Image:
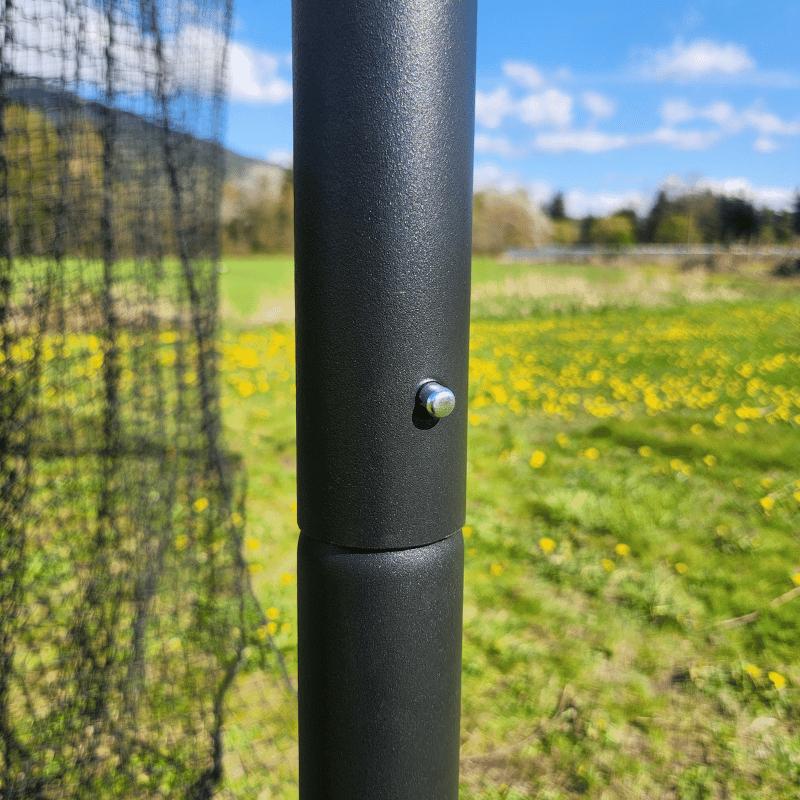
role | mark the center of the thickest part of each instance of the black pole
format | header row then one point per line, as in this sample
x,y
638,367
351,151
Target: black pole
x,y
384,113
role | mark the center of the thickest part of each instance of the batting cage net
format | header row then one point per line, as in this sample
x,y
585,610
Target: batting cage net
x,y
125,606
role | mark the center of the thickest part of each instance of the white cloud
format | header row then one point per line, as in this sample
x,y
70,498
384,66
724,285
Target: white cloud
x,y
253,77
190,55
765,145
281,157
490,109
495,145
490,176
680,140
580,141
524,74
698,59
552,107
778,197
766,122
673,112
729,121
580,203
598,105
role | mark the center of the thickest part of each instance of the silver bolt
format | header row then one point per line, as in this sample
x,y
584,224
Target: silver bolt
x,y
437,399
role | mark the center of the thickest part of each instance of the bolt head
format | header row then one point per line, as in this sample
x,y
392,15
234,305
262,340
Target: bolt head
x,y
438,400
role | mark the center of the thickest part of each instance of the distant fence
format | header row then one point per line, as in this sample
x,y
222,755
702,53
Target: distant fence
x,y
645,252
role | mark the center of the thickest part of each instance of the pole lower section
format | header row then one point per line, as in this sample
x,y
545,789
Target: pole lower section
x,y
380,670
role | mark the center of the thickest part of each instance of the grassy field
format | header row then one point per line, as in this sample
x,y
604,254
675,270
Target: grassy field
x,y
632,598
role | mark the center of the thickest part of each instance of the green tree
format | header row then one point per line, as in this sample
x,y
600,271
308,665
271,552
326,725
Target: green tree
x,y
659,210
676,229
612,231
555,208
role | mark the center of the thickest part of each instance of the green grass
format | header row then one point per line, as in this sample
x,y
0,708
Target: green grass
x,y
245,281
633,488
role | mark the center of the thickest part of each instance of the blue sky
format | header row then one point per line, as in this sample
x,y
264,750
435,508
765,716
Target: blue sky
x,y
605,101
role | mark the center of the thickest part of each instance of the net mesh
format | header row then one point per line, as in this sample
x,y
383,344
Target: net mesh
x,y
125,607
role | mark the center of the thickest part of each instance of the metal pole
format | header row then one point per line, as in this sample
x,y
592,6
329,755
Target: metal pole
x,y
383,126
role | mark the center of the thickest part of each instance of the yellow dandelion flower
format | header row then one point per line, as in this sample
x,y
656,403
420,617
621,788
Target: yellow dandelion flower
x,y
681,568
741,427
710,461
182,541
753,671
467,531
796,578
245,388
767,503
287,579
777,679
623,550
201,504
608,564
261,633
253,544
272,613
645,451
547,544
696,429
472,552
592,453
796,496
272,628
236,519
537,459
286,627
496,569
767,483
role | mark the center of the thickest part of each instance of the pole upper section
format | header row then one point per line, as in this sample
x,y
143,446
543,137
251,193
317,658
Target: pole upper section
x,y
384,94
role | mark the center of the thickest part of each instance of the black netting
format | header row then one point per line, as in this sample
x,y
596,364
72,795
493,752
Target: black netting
x,y
124,607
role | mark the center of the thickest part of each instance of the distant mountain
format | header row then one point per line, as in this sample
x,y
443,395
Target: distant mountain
x,y
136,135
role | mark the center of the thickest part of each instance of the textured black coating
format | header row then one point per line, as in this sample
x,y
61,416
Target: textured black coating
x,y
383,149
379,671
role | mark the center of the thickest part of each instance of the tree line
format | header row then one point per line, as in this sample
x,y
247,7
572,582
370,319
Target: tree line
x,y
501,222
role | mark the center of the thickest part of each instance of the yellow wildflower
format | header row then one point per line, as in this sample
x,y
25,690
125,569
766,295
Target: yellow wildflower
x,y
767,503
288,579
608,564
547,544
537,459
777,679
496,569
201,504
681,568
753,671
623,550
